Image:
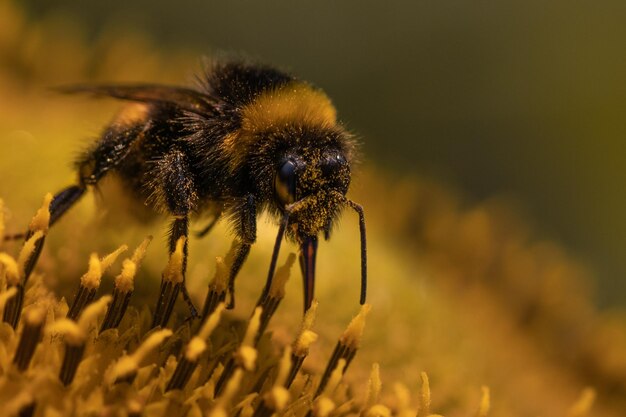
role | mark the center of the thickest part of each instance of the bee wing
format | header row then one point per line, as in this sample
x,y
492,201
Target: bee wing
x,y
184,98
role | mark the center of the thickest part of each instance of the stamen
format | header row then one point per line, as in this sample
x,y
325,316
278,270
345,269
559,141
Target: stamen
x,y
270,301
90,281
335,377
277,398
347,346
580,408
15,276
21,404
76,336
232,386
424,409
41,220
302,343
403,401
323,405
483,409
28,410
27,259
378,410
171,281
354,332
28,251
373,388
244,408
6,296
125,369
246,354
39,223
124,286
219,284
348,407
89,284
209,326
140,252
30,337
10,270
196,347
108,260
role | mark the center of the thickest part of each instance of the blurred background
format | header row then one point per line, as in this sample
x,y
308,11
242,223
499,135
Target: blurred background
x,y
519,98
492,172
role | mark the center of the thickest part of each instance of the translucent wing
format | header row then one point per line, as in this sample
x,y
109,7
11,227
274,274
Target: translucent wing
x,y
184,98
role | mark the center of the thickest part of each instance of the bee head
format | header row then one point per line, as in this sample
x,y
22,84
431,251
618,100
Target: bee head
x,y
311,181
310,184
310,176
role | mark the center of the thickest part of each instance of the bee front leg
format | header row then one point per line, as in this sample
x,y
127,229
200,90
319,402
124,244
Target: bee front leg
x,y
247,233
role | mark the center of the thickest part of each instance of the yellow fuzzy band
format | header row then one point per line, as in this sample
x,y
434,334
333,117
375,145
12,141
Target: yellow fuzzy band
x,y
294,102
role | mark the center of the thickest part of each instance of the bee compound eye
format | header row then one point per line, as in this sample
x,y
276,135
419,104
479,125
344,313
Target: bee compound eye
x,y
285,182
333,160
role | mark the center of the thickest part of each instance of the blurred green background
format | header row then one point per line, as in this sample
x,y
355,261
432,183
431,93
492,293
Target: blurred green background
x,y
518,98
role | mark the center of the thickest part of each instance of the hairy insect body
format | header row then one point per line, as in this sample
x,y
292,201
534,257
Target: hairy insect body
x,y
250,138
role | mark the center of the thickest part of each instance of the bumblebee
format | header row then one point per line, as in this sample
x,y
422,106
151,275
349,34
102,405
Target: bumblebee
x,y
248,138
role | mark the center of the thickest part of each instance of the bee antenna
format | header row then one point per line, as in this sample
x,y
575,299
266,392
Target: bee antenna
x,y
359,209
279,239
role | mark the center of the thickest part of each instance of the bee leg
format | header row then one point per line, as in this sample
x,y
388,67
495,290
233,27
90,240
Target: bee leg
x,y
112,147
247,233
94,164
64,200
170,289
173,186
180,228
61,202
240,257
